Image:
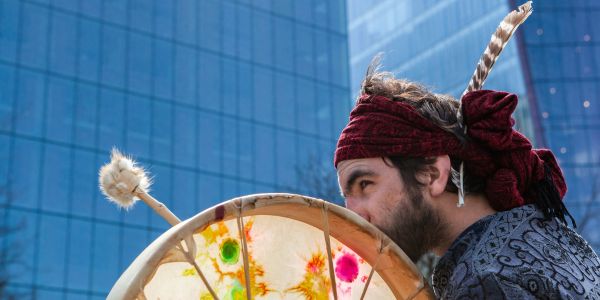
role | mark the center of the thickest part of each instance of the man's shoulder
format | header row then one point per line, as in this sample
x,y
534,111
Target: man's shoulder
x,y
522,252
538,255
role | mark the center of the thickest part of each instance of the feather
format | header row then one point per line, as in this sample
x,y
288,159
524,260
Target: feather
x,y
121,180
499,39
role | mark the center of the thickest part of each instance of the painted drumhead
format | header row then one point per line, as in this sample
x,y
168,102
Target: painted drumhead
x,y
277,246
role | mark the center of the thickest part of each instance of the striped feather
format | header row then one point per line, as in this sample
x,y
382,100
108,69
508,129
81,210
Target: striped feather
x,y
499,39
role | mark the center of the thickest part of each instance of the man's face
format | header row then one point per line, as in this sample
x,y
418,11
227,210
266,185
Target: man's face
x,y
375,191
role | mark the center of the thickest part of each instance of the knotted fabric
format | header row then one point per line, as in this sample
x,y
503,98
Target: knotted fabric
x,y
513,171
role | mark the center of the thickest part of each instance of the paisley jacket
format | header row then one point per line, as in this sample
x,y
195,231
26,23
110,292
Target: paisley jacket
x,y
518,254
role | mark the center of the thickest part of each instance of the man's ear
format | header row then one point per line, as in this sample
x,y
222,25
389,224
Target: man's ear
x,y
439,175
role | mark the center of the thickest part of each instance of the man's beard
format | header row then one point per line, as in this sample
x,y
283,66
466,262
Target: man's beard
x,y
415,226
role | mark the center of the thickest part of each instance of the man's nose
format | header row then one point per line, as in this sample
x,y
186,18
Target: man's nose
x,y
357,208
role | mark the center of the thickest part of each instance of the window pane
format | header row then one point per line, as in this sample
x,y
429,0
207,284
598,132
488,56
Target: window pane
x,y
246,154
24,241
264,154
245,90
86,115
304,51
186,21
209,143
284,47
185,75
285,101
49,294
30,103
184,194
306,106
263,95
229,87
34,36
228,25
286,160
70,5
244,32
115,11
105,270
262,40
91,8
25,171
7,90
140,12
111,119
139,63
209,75
162,131
163,69
4,156
134,242
55,189
209,191
85,185
113,56
185,137
63,44
230,144
322,52
51,250
209,33
230,189
9,22
324,111
138,126
80,241
89,49
163,14
60,110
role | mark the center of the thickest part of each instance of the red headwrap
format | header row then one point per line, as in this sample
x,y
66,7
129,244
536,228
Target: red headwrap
x,y
381,127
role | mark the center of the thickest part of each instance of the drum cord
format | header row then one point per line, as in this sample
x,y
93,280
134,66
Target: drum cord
x,y
240,224
364,292
328,246
192,261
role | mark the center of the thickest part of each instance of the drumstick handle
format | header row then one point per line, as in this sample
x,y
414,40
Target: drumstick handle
x,y
159,208
169,216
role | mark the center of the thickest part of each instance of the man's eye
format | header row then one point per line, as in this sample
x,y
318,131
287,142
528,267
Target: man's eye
x,y
364,183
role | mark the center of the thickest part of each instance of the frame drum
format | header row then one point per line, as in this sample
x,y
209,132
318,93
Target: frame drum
x,y
273,246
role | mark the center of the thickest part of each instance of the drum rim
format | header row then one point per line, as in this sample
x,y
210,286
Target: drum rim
x,y
133,280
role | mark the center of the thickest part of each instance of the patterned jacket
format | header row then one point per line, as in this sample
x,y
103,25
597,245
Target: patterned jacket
x,y
518,254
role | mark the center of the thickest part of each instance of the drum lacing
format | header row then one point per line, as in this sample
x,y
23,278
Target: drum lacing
x,y
240,224
328,246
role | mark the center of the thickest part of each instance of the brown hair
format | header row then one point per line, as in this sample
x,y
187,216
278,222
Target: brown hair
x,y
438,108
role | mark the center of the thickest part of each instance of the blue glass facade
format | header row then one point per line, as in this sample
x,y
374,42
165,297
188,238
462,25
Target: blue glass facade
x,y
553,66
436,43
217,98
562,50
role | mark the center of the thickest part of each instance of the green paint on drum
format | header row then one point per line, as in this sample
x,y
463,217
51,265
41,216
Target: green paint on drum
x,y
230,251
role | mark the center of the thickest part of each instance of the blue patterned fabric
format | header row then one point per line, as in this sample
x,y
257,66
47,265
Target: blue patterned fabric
x,y
518,254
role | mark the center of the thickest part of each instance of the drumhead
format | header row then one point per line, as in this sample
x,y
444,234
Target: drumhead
x,y
281,246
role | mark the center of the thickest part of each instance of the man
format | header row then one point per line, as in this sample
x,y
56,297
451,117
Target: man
x,y
398,162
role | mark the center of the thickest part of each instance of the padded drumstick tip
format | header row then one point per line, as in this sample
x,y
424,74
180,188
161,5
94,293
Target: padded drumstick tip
x,y
121,179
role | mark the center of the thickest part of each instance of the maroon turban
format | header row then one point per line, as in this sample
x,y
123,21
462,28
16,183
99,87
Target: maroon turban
x,y
515,174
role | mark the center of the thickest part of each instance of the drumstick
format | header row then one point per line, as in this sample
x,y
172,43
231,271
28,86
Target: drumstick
x,y
124,183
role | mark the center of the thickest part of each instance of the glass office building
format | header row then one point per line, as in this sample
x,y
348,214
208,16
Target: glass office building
x,y
561,44
216,98
436,43
553,66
